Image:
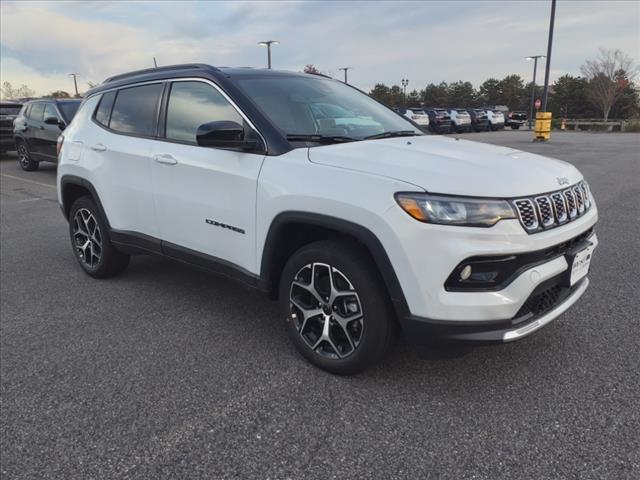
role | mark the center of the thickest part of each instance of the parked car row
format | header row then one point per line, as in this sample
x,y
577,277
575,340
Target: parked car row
x,y
460,120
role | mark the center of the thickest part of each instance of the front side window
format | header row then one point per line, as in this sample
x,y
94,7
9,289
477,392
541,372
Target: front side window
x,y
308,105
192,104
37,111
50,111
68,110
134,110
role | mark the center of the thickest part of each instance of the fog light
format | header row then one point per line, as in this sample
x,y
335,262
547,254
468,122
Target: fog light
x,y
465,273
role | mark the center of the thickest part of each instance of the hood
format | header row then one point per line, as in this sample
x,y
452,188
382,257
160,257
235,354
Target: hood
x,y
449,166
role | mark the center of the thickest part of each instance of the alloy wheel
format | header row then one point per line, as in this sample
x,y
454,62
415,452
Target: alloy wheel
x,y
326,310
23,155
87,238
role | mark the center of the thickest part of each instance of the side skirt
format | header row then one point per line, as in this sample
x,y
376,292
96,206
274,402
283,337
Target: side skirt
x,y
135,243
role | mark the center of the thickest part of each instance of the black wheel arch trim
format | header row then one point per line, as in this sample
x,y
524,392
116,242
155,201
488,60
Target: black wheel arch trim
x,y
81,182
359,232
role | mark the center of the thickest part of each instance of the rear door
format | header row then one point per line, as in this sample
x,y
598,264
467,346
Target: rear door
x,y
205,197
119,149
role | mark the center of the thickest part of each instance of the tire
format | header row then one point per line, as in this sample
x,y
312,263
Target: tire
x,y
25,160
361,325
91,242
515,127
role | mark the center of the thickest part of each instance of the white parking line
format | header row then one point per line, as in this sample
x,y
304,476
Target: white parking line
x,y
28,181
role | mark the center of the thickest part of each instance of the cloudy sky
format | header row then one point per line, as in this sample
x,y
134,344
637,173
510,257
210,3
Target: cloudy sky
x,y
430,41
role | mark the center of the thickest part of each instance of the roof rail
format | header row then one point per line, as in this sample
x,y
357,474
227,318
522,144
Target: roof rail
x,y
168,68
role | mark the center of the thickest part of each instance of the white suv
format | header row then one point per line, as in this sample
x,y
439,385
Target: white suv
x,y
460,120
418,116
358,227
496,119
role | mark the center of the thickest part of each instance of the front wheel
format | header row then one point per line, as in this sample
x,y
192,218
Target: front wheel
x,y
26,161
337,311
91,242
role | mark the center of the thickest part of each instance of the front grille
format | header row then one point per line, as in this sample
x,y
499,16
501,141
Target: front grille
x,y
545,211
548,211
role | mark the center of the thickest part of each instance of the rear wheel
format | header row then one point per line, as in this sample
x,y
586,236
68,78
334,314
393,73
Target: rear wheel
x,y
337,310
25,159
515,127
91,243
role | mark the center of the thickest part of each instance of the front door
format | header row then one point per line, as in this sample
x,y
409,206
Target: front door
x,y
204,197
49,133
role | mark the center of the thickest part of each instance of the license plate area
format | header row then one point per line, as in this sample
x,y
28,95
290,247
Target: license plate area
x,y
579,261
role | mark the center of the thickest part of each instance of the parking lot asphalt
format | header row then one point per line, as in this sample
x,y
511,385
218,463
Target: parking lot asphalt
x,y
169,372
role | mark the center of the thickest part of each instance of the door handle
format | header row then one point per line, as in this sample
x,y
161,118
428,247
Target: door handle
x,y
165,159
98,147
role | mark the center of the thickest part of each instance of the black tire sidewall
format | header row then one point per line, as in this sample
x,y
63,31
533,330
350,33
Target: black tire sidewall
x,y
378,329
31,164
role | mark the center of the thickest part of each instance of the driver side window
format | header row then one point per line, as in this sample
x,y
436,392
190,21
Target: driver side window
x,y
192,104
50,111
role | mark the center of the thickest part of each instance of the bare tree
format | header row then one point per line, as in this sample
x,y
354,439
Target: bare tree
x,y
608,76
8,91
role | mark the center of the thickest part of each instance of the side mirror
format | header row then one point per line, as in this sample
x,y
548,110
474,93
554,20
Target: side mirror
x,y
224,134
55,121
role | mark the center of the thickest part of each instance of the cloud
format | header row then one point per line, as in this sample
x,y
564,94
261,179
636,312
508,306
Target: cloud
x,y
382,41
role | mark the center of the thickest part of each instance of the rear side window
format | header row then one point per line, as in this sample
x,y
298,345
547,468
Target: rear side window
x,y
134,110
68,109
192,104
103,112
37,111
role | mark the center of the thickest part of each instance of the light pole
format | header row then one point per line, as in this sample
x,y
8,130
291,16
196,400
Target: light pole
x,y
75,82
533,85
405,83
268,43
345,72
545,93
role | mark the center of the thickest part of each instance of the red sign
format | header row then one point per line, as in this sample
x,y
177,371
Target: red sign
x,y
537,104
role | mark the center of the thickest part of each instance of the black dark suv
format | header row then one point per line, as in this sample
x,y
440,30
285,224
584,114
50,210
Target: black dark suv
x,y
8,112
439,120
479,119
37,128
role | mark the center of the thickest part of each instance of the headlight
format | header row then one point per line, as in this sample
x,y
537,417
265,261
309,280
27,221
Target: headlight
x,y
445,210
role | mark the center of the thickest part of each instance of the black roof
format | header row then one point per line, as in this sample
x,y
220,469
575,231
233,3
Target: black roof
x,y
188,70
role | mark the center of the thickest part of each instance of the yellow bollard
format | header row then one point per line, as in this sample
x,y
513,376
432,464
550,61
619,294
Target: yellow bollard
x,y
542,130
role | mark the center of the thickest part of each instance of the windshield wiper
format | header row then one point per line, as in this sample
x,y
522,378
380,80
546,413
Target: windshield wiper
x,y
397,133
320,138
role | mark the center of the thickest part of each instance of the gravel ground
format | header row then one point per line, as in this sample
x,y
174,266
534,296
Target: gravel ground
x,y
169,372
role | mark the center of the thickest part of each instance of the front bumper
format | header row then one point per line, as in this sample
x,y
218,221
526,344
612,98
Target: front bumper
x,y
426,254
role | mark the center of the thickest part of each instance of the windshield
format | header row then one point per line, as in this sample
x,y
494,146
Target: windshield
x,y
10,109
68,109
324,107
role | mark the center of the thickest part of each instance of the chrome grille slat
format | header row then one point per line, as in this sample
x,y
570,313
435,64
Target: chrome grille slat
x,y
545,211
542,212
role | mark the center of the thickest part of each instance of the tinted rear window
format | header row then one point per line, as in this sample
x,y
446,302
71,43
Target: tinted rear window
x,y
36,111
103,112
10,109
68,109
134,110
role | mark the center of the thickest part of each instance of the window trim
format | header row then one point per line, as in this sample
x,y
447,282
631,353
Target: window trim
x,y
162,102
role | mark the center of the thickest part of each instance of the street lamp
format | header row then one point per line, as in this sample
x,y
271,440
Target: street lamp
x,y
405,83
75,82
533,84
345,72
268,43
